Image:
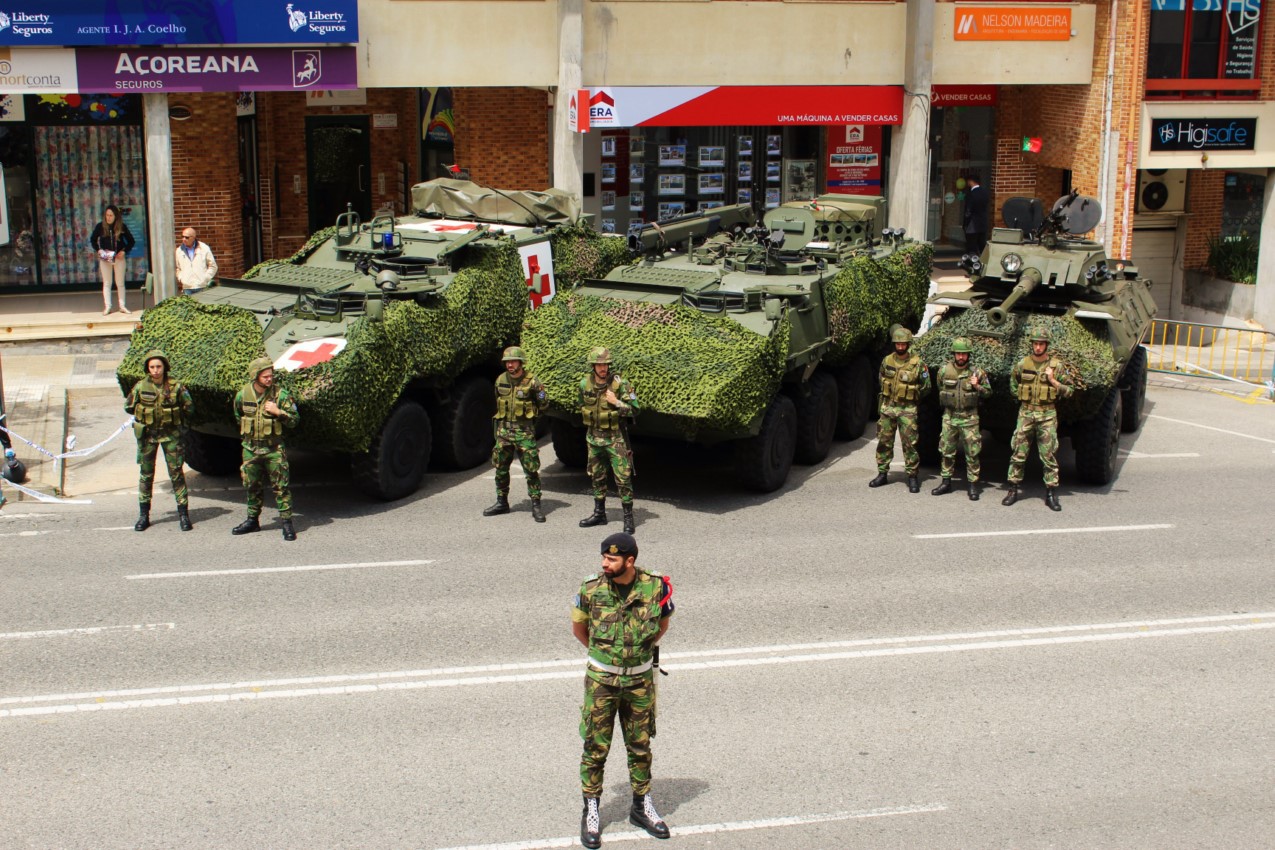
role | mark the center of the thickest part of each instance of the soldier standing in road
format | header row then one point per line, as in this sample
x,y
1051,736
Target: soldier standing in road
x,y
904,379
520,398
606,400
1034,380
620,616
160,407
263,409
961,385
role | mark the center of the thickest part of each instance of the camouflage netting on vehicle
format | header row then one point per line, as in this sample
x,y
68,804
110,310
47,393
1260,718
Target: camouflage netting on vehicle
x,y
1080,343
710,374
581,253
868,295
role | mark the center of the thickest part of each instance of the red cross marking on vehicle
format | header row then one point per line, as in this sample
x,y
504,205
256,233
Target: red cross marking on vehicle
x,y
440,228
321,354
533,269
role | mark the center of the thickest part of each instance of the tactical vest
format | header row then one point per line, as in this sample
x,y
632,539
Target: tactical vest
x,y
515,402
901,384
254,424
1033,386
159,407
955,392
622,633
596,410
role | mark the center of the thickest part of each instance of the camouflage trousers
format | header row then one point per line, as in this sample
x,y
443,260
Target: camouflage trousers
x,y
262,464
147,448
516,441
960,429
609,449
1043,424
901,418
633,698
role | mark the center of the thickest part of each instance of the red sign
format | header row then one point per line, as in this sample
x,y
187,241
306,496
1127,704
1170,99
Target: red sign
x,y
854,159
964,96
579,116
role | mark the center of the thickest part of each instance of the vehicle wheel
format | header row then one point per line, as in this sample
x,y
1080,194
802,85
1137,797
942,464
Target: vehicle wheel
x,y
762,462
929,427
1097,441
395,463
211,454
568,444
464,426
856,390
816,405
1135,392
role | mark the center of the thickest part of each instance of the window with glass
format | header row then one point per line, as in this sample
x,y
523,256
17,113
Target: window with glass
x,y
1204,49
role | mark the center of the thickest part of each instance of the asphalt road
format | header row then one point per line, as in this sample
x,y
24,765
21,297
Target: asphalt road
x,y
848,667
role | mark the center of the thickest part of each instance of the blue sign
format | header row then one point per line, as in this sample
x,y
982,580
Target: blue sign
x,y
100,23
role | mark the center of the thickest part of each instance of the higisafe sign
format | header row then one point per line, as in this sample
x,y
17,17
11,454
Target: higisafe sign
x,y
1203,134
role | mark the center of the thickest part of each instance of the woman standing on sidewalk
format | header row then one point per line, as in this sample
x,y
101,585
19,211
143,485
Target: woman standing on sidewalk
x,y
111,241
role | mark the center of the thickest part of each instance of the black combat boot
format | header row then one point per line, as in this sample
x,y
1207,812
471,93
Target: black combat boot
x,y
878,481
289,533
643,814
914,486
248,526
143,517
973,491
591,824
945,487
501,506
183,518
1011,497
629,525
599,515
536,513
1051,499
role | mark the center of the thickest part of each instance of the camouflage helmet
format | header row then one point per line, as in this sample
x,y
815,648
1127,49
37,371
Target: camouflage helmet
x,y
961,345
900,335
599,355
513,352
1039,335
156,354
258,366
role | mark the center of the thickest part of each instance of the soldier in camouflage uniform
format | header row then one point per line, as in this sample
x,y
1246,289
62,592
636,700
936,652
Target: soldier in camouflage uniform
x,y
1034,380
961,385
263,410
160,408
620,616
520,398
606,400
904,379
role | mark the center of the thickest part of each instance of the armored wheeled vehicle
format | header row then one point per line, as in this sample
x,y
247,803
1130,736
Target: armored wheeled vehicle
x,y
1041,274
387,332
759,333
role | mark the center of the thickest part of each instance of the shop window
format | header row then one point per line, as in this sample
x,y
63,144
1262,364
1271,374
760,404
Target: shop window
x,y
1199,50
1242,204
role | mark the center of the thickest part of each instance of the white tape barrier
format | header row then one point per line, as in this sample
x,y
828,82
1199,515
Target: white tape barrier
x,y
1269,386
70,442
45,497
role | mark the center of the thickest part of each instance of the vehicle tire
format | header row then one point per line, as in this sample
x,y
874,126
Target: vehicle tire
x,y
463,425
856,391
211,454
816,405
1135,391
929,427
1097,441
395,463
762,462
568,444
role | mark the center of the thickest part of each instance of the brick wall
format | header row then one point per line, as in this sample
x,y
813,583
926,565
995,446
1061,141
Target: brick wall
x,y
502,136
206,178
1204,193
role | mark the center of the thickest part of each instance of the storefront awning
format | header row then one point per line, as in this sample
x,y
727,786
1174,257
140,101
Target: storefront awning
x,y
733,106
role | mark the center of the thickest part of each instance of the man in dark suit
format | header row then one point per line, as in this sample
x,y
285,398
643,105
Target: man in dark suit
x,y
975,216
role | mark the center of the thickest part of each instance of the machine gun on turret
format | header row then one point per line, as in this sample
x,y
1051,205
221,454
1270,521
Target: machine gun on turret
x,y
655,238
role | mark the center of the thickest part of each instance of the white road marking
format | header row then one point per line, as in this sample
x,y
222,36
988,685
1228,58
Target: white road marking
x,y
184,695
24,533
1210,428
27,516
87,630
115,528
1093,529
1141,455
255,570
712,828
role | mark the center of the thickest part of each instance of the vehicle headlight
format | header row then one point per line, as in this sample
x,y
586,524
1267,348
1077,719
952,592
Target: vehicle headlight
x,y
1012,263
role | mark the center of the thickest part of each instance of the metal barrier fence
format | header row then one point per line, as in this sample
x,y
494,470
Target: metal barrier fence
x,y
1237,354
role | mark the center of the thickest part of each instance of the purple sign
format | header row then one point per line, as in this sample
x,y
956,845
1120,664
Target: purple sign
x,y
214,69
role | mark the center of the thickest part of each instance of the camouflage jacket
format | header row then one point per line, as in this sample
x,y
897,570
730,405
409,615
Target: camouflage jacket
x,y
519,402
600,414
159,410
255,425
622,631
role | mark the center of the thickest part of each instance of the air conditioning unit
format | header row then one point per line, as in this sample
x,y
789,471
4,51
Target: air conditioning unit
x,y
1161,190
